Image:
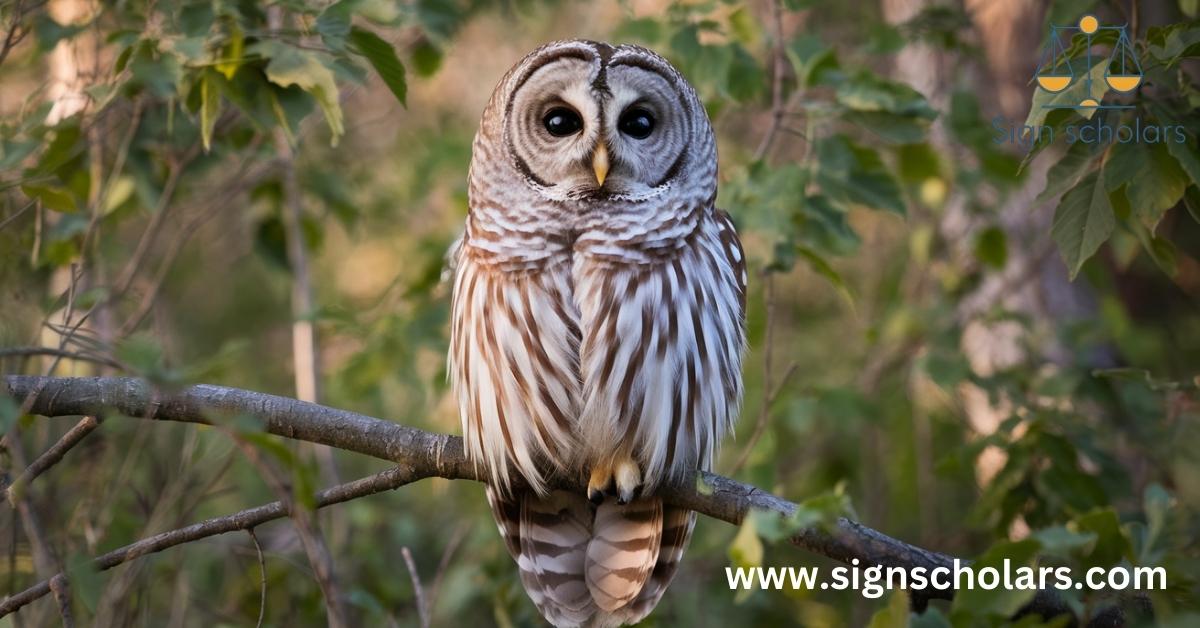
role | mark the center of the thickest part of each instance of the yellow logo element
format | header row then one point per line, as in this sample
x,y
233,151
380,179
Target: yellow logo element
x,y
1122,71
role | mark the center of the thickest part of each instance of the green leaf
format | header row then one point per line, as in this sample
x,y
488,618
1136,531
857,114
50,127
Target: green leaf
x,y
1188,156
931,618
746,550
1191,199
745,80
1044,102
1079,159
999,601
991,247
811,59
1157,503
1063,542
890,127
867,91
744,27
281,117
210,107
383,58
48,32
1083,221
160,71
196,18
334,24
1111,543
426,58
918,163
823,224
853,174
894,615
1161,250
120,190
1177,41
55,198
820,266
231,53
304,69
1154,181
1189,7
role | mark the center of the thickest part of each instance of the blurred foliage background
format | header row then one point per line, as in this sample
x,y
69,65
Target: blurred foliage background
x,y
978,346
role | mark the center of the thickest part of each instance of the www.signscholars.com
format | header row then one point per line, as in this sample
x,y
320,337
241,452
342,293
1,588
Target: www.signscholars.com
x,y
874,581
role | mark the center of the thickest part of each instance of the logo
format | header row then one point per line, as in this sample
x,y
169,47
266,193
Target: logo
x,y
1055,73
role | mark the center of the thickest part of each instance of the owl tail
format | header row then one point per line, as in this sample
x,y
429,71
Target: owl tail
x,y
592,566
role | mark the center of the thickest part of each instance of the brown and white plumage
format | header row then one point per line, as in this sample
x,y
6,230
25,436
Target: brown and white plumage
x,y
598,321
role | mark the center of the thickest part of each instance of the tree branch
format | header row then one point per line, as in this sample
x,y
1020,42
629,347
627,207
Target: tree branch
x,y
418,455
245,520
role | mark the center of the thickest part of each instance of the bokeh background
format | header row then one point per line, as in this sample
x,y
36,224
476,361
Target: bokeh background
x,y
261,196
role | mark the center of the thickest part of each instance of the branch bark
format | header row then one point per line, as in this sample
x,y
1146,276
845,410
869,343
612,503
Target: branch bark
x,y
418,455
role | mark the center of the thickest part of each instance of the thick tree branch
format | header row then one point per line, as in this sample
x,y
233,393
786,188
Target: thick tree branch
x,y
418,455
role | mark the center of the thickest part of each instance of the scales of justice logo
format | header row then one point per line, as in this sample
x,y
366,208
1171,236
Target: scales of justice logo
x,y
1055,73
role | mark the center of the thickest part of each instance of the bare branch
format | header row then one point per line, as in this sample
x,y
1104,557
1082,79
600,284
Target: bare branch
x,y
419,455
52,455
771,391
17,214
244,520
778,108
9,352
262,571
307,529
418,591
460,533
62,595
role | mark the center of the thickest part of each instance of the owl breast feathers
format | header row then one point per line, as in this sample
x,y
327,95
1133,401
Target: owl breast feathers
x,y
598,321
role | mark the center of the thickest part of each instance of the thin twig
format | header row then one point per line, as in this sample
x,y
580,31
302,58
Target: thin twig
x,y
17,31
245,519
17,214
460,533
242,179
418,591
162,208
777,106
262,571
9,352
62,595
771,391
308,530
52,456
45,562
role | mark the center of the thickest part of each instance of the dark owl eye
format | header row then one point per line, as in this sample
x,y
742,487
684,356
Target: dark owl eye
x,y
561,122
636,123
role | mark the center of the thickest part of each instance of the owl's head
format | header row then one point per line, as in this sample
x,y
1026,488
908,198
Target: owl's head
x,y
583,120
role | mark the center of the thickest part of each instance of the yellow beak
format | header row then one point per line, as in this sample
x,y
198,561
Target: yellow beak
x,y
600,163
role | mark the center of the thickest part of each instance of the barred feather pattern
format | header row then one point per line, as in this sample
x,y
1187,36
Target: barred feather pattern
x,y
590,328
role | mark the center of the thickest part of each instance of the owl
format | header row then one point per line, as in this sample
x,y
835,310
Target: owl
x,y
597,322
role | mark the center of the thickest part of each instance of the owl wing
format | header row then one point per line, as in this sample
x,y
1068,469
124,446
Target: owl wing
x,y
734,254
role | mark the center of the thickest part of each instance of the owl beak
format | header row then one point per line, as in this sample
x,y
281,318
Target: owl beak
x,y
600,163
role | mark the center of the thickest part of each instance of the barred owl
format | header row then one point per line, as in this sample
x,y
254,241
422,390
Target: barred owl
x,y
597,321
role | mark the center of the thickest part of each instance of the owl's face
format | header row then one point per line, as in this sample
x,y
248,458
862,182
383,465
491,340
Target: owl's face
x,y
586,121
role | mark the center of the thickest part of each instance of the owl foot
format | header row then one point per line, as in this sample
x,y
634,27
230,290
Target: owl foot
x,y
621,478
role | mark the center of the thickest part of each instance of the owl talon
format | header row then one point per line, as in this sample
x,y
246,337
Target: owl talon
x,y
600,484
628,480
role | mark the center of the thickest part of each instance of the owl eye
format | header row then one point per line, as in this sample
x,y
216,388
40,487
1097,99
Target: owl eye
x,y
636,123
561,122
